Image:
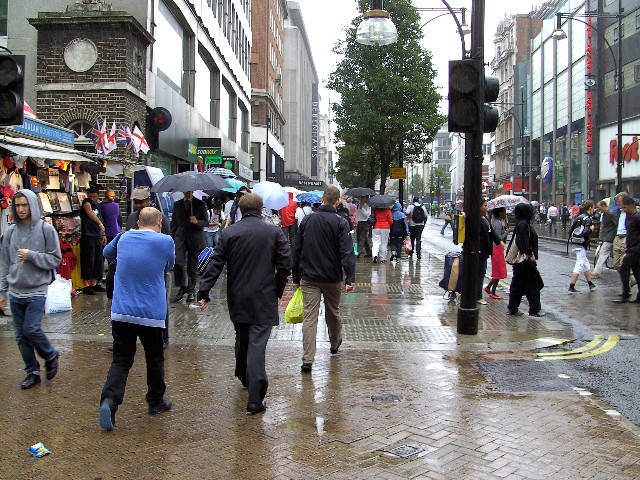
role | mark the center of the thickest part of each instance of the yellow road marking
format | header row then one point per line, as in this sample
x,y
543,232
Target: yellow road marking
x,y
611,342
592,344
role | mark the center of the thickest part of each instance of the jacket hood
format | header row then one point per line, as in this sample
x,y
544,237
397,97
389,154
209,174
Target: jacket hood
x,y
34,206
396,207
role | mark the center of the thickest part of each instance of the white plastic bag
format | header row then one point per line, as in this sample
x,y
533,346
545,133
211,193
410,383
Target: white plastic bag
x,y
58,296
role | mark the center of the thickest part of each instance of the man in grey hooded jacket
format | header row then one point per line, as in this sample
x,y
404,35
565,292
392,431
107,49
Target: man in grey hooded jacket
x,y
30,251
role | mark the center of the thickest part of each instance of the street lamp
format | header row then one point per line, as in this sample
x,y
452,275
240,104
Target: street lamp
x,y
462,28
377,28
560,34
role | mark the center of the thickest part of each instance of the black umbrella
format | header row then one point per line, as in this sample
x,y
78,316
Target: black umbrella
x,y
360,192
190,181
381,201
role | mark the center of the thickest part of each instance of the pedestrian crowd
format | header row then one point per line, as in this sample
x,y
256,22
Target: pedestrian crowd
x,y
315,244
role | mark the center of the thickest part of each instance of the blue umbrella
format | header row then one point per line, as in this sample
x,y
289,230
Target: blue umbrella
x,y
235,185
308,198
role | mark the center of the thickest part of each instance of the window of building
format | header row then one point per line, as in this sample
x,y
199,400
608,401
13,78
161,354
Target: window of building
x,y
3,17
615,33
202,97
636,73
228,110
168,47
638,21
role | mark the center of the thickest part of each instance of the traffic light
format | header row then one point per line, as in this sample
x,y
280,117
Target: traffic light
x,y
469,90
11,89
158,120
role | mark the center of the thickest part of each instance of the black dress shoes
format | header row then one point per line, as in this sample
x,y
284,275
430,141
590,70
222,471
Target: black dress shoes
x,y
256,407
180,295
191,297
31,381
51,366
158,408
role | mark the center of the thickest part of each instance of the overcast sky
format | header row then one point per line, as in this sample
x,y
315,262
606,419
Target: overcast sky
x,y
325,19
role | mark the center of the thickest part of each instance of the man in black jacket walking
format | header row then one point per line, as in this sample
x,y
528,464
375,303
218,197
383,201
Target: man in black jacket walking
x,y
258,260
323,260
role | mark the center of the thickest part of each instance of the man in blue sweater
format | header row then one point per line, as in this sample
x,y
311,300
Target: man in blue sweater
x,y
30,251
138,310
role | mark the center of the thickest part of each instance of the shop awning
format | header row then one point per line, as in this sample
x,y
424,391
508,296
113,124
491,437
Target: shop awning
x,y
42,150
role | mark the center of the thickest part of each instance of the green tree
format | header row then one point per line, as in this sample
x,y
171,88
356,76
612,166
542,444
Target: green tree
x,y
439,180
388,110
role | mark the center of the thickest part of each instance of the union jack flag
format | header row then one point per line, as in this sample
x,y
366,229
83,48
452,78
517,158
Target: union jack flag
x,y
123,136
96,136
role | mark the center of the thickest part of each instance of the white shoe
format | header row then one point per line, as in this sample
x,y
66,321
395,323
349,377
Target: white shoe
x,y
482,302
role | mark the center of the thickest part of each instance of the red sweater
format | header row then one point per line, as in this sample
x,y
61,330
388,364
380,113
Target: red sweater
x,y
384,218
288,213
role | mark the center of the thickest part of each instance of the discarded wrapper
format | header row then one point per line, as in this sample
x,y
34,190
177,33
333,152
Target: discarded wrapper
x,y
39,450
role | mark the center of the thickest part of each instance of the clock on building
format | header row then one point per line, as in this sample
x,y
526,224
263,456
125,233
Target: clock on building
x,y
80,54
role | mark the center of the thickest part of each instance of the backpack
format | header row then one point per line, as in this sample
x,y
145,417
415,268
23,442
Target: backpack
x,y
418,215
579,231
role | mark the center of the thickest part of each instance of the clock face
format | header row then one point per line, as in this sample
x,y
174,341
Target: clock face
x,y
80,54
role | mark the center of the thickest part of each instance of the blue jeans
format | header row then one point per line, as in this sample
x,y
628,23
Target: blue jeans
x,y
27,326
211,238
446,222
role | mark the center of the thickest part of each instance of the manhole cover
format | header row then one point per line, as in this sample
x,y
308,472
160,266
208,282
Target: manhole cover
x,y
405,451
388,398
516,377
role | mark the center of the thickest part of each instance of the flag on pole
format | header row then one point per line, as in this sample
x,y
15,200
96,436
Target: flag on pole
x,y
139,142
123,136
28,112
96,136
110,142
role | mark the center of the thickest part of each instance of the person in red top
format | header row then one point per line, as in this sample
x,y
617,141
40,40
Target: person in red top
x,y
380,233
288,220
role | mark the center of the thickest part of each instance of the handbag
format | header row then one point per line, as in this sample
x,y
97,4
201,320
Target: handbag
x,y
294,313
514,255
447,218
371,220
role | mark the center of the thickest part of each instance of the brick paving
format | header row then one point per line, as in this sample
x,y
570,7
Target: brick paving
x,y
340,422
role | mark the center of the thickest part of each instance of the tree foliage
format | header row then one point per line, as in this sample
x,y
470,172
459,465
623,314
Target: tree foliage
x,y
388,110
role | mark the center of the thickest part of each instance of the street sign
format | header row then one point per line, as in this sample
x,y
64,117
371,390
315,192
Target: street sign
x,y
397,173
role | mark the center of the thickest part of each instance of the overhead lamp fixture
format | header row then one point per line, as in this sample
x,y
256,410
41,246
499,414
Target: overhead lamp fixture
x,y
559,33
376,28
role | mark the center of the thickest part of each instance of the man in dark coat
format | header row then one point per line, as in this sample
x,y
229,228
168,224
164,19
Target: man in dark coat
x,y
258,260
187,223
324,264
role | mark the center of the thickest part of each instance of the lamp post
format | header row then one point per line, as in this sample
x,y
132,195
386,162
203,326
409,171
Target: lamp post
x,y
560,34
468,309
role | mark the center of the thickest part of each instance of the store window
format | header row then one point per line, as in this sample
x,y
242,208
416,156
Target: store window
x,y
3,17
168,47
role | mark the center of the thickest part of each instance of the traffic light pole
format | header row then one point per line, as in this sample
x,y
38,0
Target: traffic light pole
x,y
468,309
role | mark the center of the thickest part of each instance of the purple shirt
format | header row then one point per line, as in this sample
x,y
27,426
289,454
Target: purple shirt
x,y
110,212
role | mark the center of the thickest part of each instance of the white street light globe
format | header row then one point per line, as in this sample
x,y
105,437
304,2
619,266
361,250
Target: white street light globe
x,y
376,29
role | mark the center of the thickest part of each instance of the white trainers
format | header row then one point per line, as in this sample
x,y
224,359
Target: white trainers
x,y
482,302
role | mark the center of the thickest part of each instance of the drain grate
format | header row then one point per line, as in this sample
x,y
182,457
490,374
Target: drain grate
x,y
406,451
386,398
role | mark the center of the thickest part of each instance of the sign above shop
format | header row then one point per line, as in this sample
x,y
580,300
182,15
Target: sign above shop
x,y
209,151
45,131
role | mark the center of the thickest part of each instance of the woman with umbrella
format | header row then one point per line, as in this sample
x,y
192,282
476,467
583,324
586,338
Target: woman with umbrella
x,y
382,226
498,263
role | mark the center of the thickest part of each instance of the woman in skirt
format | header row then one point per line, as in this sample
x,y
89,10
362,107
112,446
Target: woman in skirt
x,y
498,264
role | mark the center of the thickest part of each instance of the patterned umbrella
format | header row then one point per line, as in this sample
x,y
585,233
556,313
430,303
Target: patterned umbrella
x,y
507,201
221,172
309,198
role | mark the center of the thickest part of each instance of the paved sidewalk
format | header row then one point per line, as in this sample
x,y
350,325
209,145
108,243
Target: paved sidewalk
x,y
474,407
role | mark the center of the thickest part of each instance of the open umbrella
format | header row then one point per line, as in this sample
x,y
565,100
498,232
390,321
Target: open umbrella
x,y
293,190
234,185
221,172
273,195
360,192
308,198
189,181
381,201
507,201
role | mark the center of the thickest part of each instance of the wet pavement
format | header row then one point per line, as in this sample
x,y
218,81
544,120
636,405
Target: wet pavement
x,y
458,407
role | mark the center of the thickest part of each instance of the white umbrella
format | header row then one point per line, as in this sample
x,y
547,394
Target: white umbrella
x,y
507,201
293,190
273,195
